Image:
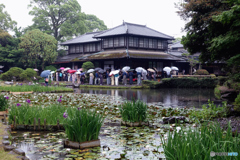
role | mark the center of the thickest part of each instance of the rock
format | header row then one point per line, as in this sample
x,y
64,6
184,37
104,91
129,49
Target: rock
x,y
19,151
5,137
76,85
8,148
6,142
229,95
172,120
9,83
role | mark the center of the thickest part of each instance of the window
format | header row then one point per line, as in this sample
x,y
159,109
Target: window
x,y
116,42
159,66
150,64
98,47
150,43
135,42
154,43
131,41
160,44
145,42
77,48
81,48
105,43
86,48
121,41
72,49
110,42
140,42
165,45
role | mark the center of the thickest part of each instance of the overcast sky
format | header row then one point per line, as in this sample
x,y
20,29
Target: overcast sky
x,y
157,14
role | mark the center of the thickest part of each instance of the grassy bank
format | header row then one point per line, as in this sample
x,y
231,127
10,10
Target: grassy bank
x,y
111,87
34,88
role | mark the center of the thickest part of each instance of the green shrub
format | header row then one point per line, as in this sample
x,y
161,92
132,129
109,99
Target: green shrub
x,y
237,103
202,72
135,111
217,92
28,74
12,72
52,68
3,102
195,144
82,125
222,80
87,65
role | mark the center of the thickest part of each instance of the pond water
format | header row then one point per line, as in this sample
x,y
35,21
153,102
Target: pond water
x,y
169,97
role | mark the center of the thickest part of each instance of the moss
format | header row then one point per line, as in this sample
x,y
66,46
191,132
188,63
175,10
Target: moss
x,y
217,92
151,84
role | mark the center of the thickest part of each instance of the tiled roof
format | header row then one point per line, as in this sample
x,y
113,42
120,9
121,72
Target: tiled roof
x,y
133,29
177,45
69,58
87,37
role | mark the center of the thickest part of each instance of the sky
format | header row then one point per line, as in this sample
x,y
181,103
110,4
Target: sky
x,y
156,14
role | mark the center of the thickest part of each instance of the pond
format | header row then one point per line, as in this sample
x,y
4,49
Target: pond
x,y
169,97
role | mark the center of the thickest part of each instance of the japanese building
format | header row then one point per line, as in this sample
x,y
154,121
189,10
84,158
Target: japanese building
x,y
125,45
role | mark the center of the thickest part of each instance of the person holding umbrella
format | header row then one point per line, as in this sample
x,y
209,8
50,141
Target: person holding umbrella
x,y
101,78
116,78
108,78
91,77
97,79
130,77
139,78
124,77
112,79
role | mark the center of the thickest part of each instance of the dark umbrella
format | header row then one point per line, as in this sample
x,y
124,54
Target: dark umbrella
x,y
45,73
82,73
101,71
97,69
1,71
59,70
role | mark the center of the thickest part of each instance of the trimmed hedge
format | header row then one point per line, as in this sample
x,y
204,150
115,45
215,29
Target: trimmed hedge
x,y
12,72
202,72
189,82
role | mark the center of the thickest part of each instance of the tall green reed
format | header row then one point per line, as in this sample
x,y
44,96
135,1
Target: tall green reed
x,y
82,125
134,111
3,102
197,144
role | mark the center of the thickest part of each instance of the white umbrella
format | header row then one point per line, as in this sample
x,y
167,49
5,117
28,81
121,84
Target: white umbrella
x,y
66,69
90,70
53,72
126,68
174,68
35,69
111,73
78,72
116,72
144,71
167,69
139,69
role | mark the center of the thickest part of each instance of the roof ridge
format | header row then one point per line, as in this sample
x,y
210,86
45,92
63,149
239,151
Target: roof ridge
x,y
73,38
94,32
159,32
134,24
108,30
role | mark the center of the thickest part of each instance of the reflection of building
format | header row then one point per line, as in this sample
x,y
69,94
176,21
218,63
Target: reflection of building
x,y
177,50
125,45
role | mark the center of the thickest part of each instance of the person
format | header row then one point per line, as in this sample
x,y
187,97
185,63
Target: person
x,y
124,78
183,71
138,78
101,79
91,77
73,78
108,78
116,79
97,79
66,76
78,78
60,76
130,77
194,71
112,80
57,76
46,81
154,76
144,74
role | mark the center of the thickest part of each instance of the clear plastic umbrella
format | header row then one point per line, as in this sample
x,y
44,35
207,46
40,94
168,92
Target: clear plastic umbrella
x,y
150,70
66,69
126,68
167,69
139,69
90,70
174,68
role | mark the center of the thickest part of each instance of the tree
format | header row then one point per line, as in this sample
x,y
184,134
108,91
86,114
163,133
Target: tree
x,y
191,60
201,28
39,48
87,65
94,24
6,23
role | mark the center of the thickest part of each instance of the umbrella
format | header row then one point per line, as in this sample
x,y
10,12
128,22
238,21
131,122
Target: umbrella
x,y
1,66
78,72
45,73
115,72
35,69
72,71
139,69
1,71
111,73
150,70
58,70
155,69
82,73
101,71
130,70
62,68
126,68
96,69
53,72
174,68
66,69
90,70
167,69
80,69
144,71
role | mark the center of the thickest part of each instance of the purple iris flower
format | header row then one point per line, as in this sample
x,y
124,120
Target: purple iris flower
x,y
28,101
60,96
65,115
79,108
6,97
59,100
21,84
18,104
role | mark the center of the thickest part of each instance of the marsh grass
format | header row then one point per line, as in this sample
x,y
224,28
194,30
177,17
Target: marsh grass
x,y
83,125
25,114
197,144
34,88
3,103
134,111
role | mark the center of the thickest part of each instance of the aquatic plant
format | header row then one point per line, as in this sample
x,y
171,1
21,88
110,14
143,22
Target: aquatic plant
x,y
34,88
198,144
3,102
82,125
134,111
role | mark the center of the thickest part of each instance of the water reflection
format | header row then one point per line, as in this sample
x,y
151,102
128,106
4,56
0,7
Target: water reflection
x,y
173,97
